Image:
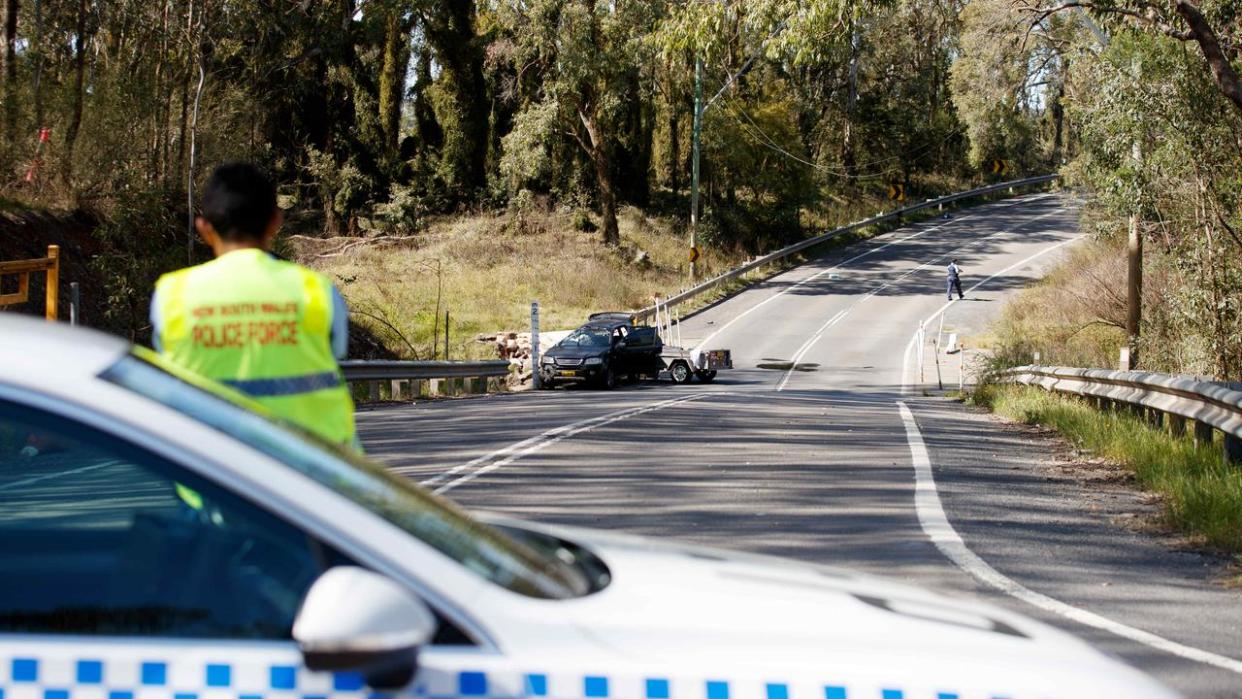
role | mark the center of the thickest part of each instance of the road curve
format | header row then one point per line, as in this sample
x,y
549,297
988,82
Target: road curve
x,y
802,451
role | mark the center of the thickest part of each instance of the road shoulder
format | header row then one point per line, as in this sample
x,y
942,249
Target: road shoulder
x,y
1068,531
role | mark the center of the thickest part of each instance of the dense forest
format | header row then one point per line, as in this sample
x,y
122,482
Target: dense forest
x,y
377,116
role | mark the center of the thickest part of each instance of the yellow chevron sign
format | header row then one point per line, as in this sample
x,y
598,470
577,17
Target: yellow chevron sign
x,y
1000,167
897,192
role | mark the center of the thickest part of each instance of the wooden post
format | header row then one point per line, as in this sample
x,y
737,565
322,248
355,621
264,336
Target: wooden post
x,y
53,281
373,387
1177,425
1203,433
1233,450
1155,417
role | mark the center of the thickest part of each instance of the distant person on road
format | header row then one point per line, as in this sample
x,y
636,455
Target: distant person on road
x,y
955,280
269,328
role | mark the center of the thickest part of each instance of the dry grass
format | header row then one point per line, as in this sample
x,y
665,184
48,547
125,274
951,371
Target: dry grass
x,y
1200,494
1072,317
492,266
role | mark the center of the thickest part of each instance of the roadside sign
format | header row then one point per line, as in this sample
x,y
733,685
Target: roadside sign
x,y
694,254
1000,167
897,191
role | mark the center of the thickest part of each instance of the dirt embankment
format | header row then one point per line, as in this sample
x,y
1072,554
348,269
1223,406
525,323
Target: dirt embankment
x,y
26,234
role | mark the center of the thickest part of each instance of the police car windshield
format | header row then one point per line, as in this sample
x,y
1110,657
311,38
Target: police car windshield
x,y
481,548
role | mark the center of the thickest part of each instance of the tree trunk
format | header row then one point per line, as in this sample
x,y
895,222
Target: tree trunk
x,y
450,31
847,147
430,135
37,50
597,148
9,134
392,82
674,151
79,78
1222,70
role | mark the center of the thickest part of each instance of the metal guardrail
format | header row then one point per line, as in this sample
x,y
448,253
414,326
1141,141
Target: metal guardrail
x,y
455,377
1166,399
812,242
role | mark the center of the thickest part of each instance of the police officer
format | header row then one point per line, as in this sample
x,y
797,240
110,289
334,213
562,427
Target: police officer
x,y
955,281
271,329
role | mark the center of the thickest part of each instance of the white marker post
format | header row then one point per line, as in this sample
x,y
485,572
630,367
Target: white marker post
x,y
534,344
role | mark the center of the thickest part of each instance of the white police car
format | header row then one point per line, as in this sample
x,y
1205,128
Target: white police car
x,y
159,542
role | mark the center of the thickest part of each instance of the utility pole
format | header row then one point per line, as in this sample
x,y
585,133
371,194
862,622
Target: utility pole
x,y
1134,274
700,108
1134,248
694,161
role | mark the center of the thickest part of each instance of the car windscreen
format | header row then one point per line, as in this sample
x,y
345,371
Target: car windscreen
x,y
479,547
588,337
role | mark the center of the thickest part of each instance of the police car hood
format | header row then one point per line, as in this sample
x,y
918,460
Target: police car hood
x,y
744,614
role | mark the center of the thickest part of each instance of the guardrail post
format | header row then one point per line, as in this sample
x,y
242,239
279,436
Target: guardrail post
x,y
433,387
1177,425
416,389
1233,449
373,390
1155,417
75,303
1203,433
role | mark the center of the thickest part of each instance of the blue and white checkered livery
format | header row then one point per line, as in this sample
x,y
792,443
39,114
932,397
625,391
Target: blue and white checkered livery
x,y
128,494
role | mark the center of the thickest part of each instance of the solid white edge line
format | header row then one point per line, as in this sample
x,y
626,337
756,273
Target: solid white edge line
x,y
906,385
488,463
937,527
967,216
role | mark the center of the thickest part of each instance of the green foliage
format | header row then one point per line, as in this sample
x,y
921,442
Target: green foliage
x,y
143,239
1155,135
1201,495
992,82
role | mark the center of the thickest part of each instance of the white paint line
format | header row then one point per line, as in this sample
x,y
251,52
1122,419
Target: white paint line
x,y
58,474
906,384
503,457
937,527
872,251
819,334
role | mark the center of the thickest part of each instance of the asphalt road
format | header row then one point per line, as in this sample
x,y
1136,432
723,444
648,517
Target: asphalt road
x,y
802,451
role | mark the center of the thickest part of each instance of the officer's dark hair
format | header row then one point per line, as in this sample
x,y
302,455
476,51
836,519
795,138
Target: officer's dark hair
x,y
239,201
955,260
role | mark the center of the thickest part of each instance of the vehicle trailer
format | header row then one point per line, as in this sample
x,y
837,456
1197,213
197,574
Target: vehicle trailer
x,y
682,364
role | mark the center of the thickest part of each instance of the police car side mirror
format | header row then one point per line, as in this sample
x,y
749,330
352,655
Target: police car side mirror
x,y
355,620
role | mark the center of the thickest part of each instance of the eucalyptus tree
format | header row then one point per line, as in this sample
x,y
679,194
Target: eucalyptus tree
x,y
585,59
1215,26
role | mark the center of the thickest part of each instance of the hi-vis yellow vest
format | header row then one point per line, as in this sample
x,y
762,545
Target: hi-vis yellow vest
x,y
261,326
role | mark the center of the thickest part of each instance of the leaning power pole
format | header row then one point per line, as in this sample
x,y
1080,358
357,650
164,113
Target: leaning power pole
x,y
700,108
694,163
1134,247
1134,274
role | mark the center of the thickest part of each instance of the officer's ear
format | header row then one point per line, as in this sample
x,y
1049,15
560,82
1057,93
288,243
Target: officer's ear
x,y
273,227
208,233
